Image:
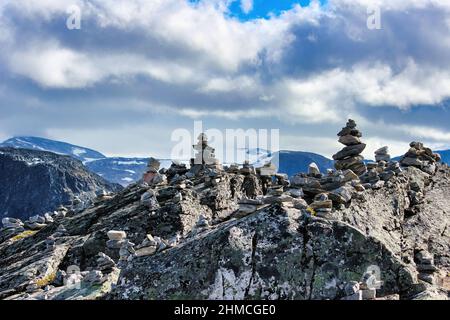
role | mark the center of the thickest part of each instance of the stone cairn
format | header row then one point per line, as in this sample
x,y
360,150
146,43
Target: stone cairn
x,y
381,171
425,266
205,155
420,157
382,155
350,156
250,186
153,175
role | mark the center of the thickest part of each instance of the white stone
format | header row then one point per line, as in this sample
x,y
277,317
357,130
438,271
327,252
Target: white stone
x,y
116,235
147,251
296,193
313,169
11,223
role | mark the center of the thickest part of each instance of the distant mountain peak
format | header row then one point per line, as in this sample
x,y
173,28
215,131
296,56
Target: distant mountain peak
x,y
59,147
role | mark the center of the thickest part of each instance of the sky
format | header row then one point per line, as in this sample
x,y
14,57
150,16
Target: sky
x,y
137,70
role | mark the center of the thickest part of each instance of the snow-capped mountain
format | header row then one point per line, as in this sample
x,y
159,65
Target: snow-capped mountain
x,y
41,144
122,170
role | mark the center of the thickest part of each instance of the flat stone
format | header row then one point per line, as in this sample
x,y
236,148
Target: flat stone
x,y
349,175
408,161
324,214
350,151
34,225
385,158
305,182
146,251
344,194
349,131
114,244
296,193
247,208
328,204
382,150
255,202
349,140
348,163
11,223
116,235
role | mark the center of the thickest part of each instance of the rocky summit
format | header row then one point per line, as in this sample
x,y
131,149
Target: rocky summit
x,y
208,231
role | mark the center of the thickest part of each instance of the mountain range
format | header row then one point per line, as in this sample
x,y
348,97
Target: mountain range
x,y
125,170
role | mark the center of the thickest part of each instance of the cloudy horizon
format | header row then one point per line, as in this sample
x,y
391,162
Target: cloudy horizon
x,y
137,70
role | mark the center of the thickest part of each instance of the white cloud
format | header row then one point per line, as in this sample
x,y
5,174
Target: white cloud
x,y
246,6
311,64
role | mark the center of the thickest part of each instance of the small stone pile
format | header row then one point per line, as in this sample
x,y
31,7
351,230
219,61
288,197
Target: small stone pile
x,y
205,156
425,266
152,175
175,171
366,289
322,206
149,200
382,155
95,277
127,251
381,171
36,222
350,156
250,186
148,247
266,174
420,157
116,239
315,183
105,263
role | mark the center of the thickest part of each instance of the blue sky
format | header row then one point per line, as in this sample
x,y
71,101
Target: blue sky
x,y
139,69
262,9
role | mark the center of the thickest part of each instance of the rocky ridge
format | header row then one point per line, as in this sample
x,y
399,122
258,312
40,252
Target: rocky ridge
x,y
207,232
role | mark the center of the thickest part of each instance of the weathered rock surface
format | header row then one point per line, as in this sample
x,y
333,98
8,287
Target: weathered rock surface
x,y
274,254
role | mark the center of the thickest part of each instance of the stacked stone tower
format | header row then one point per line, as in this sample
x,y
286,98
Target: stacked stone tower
x,y
350,156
